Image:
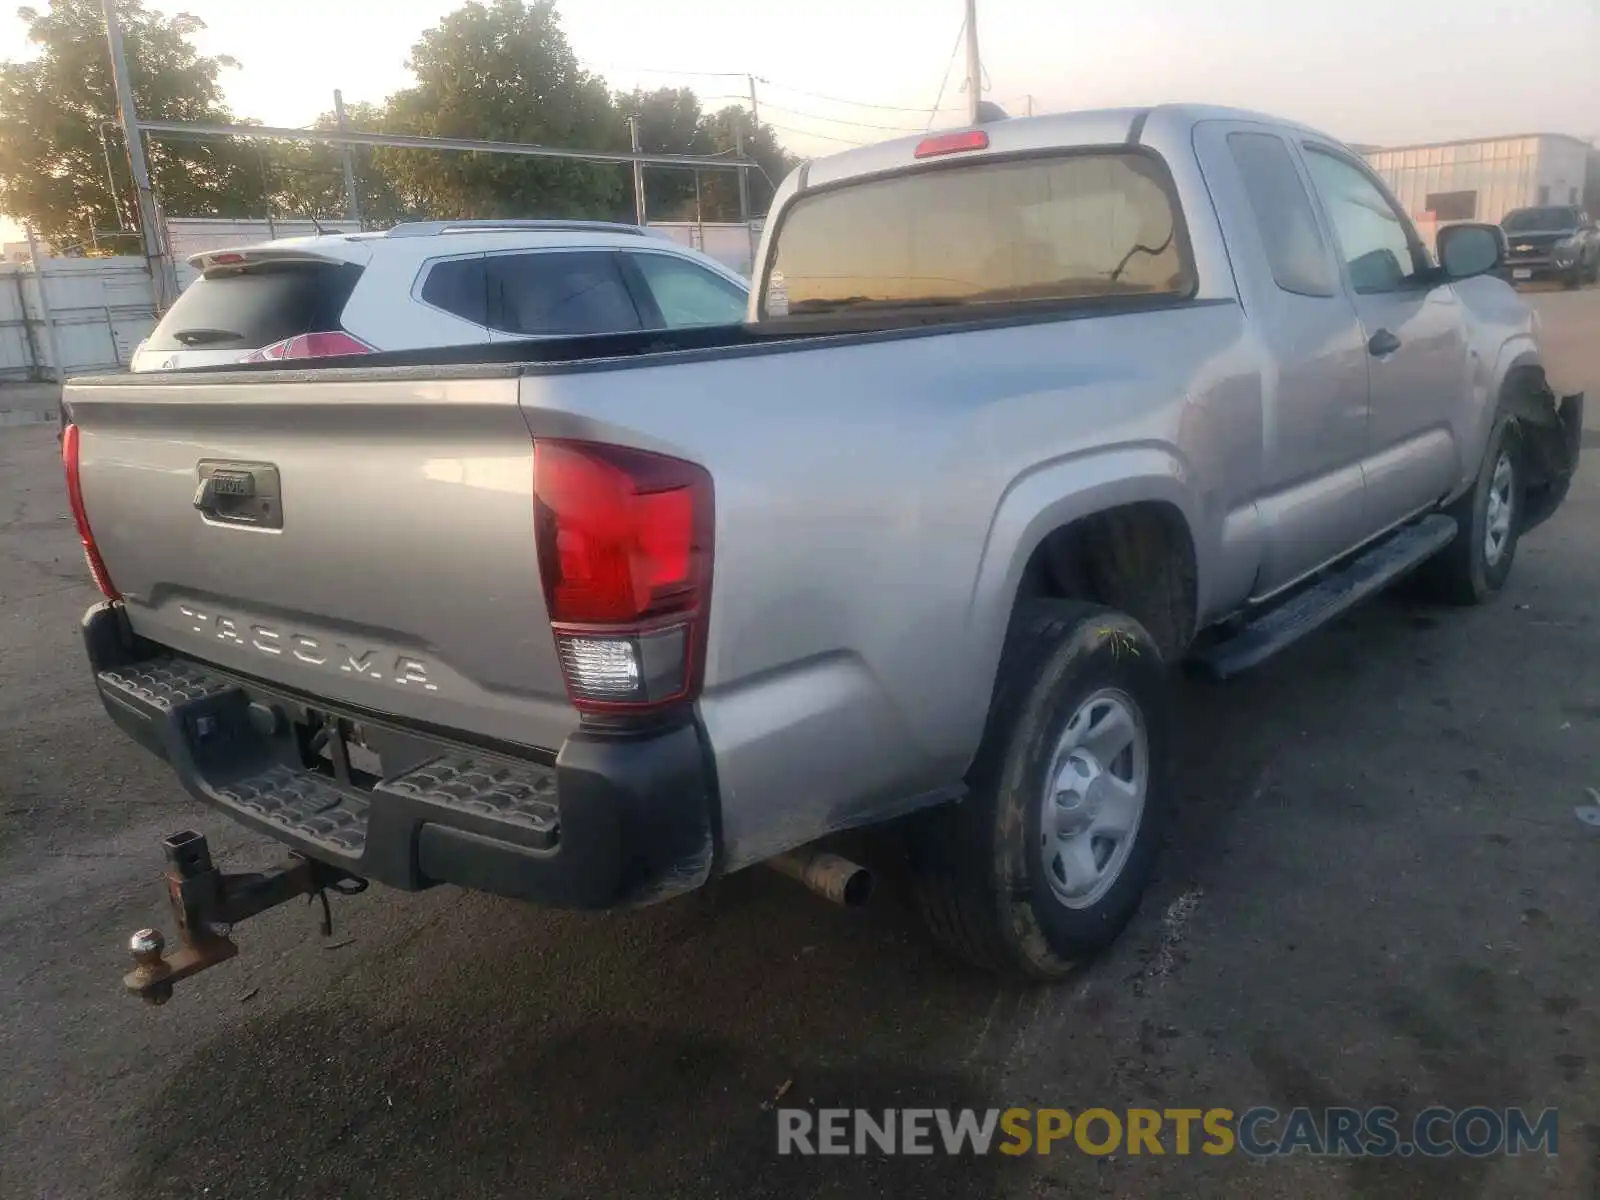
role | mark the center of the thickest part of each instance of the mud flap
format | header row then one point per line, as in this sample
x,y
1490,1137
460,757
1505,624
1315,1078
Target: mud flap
x,y
1552,438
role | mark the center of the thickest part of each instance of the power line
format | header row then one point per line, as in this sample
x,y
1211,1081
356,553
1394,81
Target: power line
x,y
842,100
783,87
827,137
663,71
796,112
945,82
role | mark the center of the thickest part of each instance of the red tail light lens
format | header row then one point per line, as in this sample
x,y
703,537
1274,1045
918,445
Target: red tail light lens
x,y
310,345
91,553
624,539
952,143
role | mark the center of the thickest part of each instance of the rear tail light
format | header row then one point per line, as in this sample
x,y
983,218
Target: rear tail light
x,y
310,345
91,553
952,143
624,539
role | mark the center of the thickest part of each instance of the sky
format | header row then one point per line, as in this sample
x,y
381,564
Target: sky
x,y
834,73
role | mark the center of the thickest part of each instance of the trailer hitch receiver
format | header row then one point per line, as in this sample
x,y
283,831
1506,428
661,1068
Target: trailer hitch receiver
x,y
207,903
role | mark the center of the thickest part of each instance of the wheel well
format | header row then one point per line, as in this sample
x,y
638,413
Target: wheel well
x,y
1136,558
1527,379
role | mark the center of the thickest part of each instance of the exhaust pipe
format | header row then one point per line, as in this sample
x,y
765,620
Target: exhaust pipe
x,y
828,875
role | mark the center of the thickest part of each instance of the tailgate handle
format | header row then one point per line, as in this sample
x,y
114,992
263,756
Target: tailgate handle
x,y
239,494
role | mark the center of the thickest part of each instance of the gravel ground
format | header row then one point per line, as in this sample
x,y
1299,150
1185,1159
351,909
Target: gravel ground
x,y
1377,893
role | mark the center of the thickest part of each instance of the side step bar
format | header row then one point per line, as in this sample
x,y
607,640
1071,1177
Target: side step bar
x,y
1331,595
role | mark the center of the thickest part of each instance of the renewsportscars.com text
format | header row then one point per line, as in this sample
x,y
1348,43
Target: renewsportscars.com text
x,y
1258,1132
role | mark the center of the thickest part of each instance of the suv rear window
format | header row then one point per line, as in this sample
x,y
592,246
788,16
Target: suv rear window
x,y
1066,227
257,306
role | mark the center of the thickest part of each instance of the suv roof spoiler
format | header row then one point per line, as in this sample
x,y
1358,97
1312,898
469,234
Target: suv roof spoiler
x,y
430,228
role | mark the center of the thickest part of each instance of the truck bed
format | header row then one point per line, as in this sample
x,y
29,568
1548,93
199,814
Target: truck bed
x,y
862,488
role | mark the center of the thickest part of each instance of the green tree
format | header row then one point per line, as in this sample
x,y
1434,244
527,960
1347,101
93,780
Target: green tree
x,y
307,178
670,122
54,106
722,130
504,71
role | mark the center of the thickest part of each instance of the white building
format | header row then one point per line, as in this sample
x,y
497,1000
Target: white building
x,y
1482,180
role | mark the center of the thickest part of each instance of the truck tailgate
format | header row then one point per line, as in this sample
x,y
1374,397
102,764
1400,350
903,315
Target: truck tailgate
x,y
368,541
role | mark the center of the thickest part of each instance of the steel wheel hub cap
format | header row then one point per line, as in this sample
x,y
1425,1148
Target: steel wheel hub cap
x,y
1094,798
1497,520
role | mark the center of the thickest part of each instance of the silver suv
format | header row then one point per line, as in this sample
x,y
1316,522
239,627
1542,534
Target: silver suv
x,y
436,283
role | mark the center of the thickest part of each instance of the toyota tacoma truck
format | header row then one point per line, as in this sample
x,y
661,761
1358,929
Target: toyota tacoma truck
x,y
1021,417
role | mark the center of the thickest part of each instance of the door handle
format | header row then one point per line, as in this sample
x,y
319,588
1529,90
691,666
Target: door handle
x,y
1381,343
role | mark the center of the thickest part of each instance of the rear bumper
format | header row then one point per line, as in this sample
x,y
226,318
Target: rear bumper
x,y
611,820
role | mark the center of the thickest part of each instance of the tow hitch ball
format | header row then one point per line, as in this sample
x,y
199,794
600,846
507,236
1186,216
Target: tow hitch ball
x,y
207,903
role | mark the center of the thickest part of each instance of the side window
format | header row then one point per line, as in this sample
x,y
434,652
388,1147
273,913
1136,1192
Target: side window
x,y
1289,233
688,294
1372,236
560,292
460,286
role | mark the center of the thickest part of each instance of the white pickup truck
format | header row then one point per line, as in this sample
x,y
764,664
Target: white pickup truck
x,y
1022,416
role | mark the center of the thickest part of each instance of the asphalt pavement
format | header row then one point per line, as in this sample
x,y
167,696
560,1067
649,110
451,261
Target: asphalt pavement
x,y
1377,892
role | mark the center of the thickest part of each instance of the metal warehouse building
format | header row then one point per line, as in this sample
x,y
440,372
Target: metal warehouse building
x,y
1483,180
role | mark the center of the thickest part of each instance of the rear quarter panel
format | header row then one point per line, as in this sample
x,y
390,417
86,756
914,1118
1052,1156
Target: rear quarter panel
x,y
875,503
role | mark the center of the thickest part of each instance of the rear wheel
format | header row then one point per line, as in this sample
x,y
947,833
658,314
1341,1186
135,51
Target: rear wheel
x,y
1045,861
1477,563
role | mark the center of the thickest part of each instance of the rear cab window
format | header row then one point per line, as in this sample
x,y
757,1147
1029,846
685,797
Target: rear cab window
x,y
257,305
1078,226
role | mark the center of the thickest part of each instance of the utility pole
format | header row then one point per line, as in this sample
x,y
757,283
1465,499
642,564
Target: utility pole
x,y
638,173
155,250
111,180
974,66
1030,104
36,265
744,193
744,172
699,217
352,198
744,177
266,191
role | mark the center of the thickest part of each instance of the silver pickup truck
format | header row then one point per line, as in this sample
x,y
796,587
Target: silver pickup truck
x,y
1022,416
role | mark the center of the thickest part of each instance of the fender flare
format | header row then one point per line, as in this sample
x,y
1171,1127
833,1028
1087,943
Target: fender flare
x,y
1055,494
1517,353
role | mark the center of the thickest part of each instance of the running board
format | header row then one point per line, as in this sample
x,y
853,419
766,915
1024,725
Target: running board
x,y
1331,595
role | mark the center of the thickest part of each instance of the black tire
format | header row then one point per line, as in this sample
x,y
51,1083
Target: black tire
x,y
1573,279
1461,573
979,866
1594,270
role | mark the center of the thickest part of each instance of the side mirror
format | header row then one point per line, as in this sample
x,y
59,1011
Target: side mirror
x,y
1471,249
